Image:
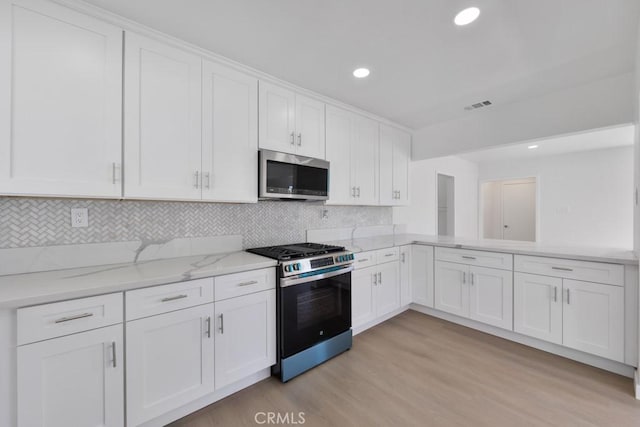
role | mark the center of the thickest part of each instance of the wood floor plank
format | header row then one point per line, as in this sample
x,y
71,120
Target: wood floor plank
x,y
416,370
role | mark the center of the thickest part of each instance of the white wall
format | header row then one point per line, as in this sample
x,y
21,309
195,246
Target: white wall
x,y
420,217
599,104
586,198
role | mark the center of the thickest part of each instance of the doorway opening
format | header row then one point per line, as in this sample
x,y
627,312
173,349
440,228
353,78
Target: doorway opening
x,y
446,205
509,210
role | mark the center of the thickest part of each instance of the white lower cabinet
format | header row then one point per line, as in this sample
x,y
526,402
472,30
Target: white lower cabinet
x,y
362,296
245,336
422,275
170,361
387,288
581,315
479,293
75,380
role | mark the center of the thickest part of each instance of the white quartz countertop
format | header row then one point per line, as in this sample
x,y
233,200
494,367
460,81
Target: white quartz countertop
x,y
612,255
21,290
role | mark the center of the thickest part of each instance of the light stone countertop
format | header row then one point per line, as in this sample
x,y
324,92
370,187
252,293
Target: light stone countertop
x,y
21,290
611,255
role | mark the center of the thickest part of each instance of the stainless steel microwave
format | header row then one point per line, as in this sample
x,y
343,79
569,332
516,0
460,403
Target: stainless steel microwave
x,y
288,176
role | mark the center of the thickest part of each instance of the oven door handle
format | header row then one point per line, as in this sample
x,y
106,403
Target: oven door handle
x,y
296,281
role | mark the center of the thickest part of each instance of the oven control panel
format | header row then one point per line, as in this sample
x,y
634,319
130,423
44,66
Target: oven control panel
x,y
306,265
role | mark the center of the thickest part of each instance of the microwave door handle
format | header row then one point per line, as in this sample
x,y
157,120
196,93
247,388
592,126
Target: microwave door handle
x,y
296,281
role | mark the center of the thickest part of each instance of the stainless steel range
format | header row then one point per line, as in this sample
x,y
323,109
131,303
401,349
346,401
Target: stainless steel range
x,y
313,304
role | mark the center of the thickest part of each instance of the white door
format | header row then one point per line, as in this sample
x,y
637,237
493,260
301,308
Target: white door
x,y
170,361
537,306
401,157
310,127
386,186
364,161
162,110
245,336
60,102
229,135
519,211
362,296
339,137
405,275
75,380
491,296
451,289
594,318
277,118
422,275
388,288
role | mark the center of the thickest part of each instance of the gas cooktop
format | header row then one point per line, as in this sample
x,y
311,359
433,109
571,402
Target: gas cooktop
x,y
296,251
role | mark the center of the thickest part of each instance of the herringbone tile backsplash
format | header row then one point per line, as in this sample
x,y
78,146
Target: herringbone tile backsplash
x,y
28,222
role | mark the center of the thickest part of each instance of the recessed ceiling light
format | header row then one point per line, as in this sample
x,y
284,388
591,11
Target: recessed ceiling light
x,y
532,147
361,72
467,16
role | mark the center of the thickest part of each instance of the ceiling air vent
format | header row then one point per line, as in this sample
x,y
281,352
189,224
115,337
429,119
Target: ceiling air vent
x,y
477,105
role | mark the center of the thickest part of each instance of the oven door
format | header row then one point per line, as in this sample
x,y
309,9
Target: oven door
x,y
314,309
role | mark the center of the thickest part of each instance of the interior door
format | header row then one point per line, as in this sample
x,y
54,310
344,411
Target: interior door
x,y
537,306
519,211
339,136
364,161
277,118
310,127
163,113
60,102
451,292
229,135
491,296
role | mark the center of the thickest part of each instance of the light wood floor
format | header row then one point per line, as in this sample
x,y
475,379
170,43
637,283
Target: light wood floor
x,y
417,370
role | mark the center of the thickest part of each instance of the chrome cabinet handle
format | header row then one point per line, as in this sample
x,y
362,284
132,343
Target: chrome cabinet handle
x,y
464,277
399,194
196,181
113,353
562,268
222,323
388,255
468,257
114,172
363,260
252,282
568,297
299,139
380,277
173,298
208,320
293,137
358,191
404,256
207,177
353,191
472,279
67,319
375,279
555,294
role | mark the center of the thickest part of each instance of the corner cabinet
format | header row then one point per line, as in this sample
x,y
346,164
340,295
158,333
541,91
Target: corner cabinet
x,y
60,102
290,122
395,152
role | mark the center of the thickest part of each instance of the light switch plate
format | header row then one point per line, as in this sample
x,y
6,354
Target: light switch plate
x,y
79,217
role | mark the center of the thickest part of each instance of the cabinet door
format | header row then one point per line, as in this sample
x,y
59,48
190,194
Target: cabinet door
x,y
60,102
169,361
537,306
75,380
229,135
388,288
310,127
163,113
451,292
491,296
405,275
594,318
387,190
364,161
401,157
339,140
422,275
362,296
245,336
277,118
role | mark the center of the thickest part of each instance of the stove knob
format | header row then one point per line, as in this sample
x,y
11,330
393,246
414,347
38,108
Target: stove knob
x,y
296,266
287,268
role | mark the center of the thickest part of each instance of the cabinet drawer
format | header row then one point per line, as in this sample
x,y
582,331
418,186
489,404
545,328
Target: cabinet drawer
x,y
46,321
247,282
162,299
388,255
611,274
365,259
479,258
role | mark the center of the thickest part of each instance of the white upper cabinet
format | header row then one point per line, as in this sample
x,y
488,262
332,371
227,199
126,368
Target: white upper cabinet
x,y
229,135
163,112
60,102
364,161
395,152
291,123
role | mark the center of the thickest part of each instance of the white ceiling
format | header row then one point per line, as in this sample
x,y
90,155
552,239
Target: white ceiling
x,y
424,69
620,136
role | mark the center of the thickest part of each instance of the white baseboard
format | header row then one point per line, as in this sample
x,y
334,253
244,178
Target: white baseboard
x,y
588,359
636,383
361,328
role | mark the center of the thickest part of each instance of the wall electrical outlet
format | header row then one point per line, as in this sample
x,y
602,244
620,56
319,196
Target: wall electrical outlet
x,y
325,214
79,217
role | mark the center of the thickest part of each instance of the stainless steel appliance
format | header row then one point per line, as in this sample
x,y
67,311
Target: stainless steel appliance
x,y
288,176
313,305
